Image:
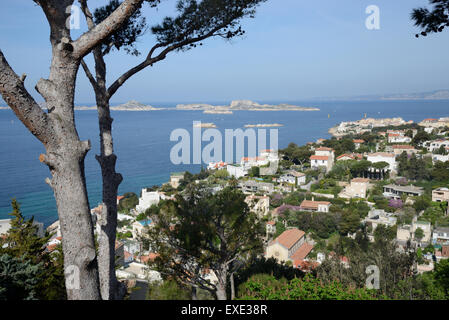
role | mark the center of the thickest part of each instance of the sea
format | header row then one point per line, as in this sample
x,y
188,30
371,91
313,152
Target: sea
x,y
143,145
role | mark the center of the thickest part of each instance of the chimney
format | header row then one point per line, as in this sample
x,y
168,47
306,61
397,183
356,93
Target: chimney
x,y
313,198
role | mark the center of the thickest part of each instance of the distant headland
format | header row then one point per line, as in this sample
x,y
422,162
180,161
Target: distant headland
x,y
246,105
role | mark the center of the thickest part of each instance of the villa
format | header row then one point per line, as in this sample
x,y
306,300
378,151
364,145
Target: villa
x,y
357,189
315,206
440,235
252,186
400,148
139,227
217,165
440,195
436,144
398,138
380,217
383,157
392,191
358,142
237,171
323,157
291,246
350,156
293,177
175,179
148,199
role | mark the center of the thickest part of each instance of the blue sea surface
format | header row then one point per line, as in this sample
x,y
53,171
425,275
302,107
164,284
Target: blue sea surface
x,y
142,144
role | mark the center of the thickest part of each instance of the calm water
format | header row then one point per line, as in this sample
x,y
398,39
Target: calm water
x,y
143,145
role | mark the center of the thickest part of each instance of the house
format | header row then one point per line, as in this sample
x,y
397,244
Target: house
x,y
293,177
291,246
398,149
5,225
260,205
436,144
269,154
392,191
320,141
443,253
379,217
357,189
249,162
252,186
440,157
350,156
148,199
426,227
175,179
440,235
217,165
323,157
440,195
119,198
237,171
270,227
119,253
383,157
407,232
315,206
358,142
398,138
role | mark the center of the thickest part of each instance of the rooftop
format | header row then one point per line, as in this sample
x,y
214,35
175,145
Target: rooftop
x,y
289,237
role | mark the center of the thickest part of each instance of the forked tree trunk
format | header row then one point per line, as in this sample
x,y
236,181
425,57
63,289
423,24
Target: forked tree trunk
x,y
65,159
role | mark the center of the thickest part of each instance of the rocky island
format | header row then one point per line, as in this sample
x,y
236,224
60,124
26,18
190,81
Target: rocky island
x,y
129,106
204,125
273,125
246,105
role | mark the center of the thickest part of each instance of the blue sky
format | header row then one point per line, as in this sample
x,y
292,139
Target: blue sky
x,y
293,50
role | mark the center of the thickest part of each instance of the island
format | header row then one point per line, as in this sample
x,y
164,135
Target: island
x,y
263,125
204,125
365,125
129,106
245,105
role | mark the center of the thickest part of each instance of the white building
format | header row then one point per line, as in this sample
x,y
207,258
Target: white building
x,y
398,138
323,157
149,198
237,171
293,177
217,165
436,144
383,157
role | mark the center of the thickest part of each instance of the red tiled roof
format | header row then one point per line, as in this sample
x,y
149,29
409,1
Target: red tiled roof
x,y
271,223
324,149
289,237
359,141
309,204
403,146
151,256
382,154
345,155
120,198
319,158
302,252
306,265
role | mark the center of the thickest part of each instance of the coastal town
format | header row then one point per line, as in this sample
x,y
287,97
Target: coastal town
x,y
386,175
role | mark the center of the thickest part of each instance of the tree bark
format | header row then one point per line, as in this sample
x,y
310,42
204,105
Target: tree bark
x,y
221,285
232,286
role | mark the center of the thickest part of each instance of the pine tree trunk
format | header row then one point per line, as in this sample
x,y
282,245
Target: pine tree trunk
x,y
232,286
65,159
110,288
221,285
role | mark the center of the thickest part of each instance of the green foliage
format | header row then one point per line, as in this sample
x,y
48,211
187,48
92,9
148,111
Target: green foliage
x,y
19,278
46,270
198,19
440,171
432,21
412,168
267,287
168,290
126,36
204,231
130,201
